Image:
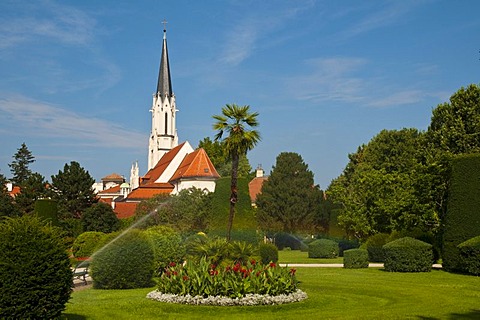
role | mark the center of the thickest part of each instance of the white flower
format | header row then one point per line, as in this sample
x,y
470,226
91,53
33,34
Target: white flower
x,y
248,300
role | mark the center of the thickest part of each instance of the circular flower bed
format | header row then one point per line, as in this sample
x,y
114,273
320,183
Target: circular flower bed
x,y
250,283
248,300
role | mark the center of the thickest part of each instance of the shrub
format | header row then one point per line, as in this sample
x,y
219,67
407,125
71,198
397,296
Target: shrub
x,y
100,217
85,244
215,251
35,274
235,281
462,220
47,209
167,246
268,252
470,253
355,258
125,262
323,248
408,255
374,245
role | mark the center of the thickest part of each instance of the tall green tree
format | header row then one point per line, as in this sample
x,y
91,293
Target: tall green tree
x,y
72,188
20,165
289,200
33,188
386,186
238,123
100,217
455,125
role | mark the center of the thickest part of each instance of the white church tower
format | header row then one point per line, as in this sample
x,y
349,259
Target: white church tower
x,y
163,136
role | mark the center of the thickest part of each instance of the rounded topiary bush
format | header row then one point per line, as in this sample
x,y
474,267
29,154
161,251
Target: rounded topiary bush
x,y
408,255
374,246
35,275
167,246
125,262
470,255
100,217
268,252
323,248
85,244
355,258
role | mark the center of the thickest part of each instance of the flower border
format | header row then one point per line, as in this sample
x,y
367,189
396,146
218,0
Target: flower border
x,y
248,300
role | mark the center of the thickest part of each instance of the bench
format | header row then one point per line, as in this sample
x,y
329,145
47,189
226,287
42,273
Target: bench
x,y
81,271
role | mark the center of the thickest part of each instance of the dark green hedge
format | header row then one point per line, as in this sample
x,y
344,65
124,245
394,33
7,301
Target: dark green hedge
x,y
355,258
462,220
167,246
470,253
125,262
408,255
323,248
35,275
47,209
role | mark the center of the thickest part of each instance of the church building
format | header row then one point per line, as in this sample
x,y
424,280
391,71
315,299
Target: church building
x,y
172,167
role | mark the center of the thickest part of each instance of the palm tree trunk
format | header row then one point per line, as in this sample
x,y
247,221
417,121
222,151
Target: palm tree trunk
x,y
233,194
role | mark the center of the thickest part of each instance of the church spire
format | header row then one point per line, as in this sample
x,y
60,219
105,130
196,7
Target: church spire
x,y
164,86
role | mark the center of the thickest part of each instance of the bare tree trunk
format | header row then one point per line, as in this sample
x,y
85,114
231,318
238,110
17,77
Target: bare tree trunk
x,y
233,194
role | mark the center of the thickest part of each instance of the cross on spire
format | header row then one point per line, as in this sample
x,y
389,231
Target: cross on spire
x,y
164,22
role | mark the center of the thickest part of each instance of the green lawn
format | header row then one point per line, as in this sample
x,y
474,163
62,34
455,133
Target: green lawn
x,y
296,256
334,293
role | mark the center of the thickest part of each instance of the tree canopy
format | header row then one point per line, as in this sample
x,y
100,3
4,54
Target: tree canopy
x,y
72,188
20,165
289,201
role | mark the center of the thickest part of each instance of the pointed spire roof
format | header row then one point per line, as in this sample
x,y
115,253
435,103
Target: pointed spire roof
x,y
164,86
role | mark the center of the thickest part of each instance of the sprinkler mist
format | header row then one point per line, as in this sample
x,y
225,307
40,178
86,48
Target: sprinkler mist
x,y
137,224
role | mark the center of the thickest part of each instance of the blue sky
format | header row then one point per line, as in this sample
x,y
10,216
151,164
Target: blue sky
x,y
77,77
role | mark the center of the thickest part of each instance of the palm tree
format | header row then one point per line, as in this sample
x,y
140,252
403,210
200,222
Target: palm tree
x,y
236,120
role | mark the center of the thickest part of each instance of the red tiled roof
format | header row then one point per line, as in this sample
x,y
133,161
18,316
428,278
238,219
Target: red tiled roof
x,y
113,177
114,189
196,164
15,191
153,174
255,187
125,209
150,190
106,200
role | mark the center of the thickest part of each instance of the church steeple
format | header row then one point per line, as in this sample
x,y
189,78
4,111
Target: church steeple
x,y
163,136
164,86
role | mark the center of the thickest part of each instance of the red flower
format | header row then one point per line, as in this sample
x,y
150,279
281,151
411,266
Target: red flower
x,y
213,266
228,268
258,273
172,264
213,272
236,267
175,273
292,271
253,262
185,278
272,265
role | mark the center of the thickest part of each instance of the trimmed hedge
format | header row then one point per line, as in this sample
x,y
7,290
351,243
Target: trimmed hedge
x,y
126,262
167,246
35,274
85,244
408,255
470,253
462,221
355,258
374,245
268,252
323,248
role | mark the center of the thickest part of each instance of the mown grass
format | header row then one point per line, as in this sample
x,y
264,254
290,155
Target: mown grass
x,y
334,293
297,256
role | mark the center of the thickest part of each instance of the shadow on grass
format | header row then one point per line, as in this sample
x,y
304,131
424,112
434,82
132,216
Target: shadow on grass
x,y
71,316
471,315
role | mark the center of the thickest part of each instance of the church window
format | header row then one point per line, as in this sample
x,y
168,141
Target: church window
x,y
166,122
